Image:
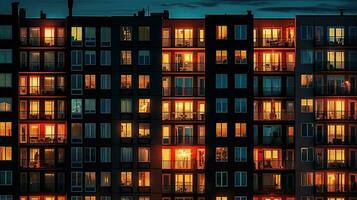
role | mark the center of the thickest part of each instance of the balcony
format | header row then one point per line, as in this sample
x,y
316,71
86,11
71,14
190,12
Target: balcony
x,y
343,140
274,116
331,188
336,164
335,115
183,116
42,115
184,140
336,41
183,42
41,163
183,164
46,41
336,66
274,91
274,164
335,90
276,189
183,91
56,138
273,140
274,43
183,67
274,66
38,67
37,90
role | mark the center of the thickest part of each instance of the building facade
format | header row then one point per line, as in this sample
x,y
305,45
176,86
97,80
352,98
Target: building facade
x,y
147,107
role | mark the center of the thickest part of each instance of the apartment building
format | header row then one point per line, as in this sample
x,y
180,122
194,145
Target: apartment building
x,y
147,107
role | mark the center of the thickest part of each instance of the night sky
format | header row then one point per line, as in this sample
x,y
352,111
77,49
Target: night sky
x,y
184,8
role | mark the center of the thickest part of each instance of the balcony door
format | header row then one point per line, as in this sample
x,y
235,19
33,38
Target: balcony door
x,y
271,36
184,110
335,84
184,86
271,61
335,182
183,183
336,109
184,61
183,159
184,134
166,65
271,110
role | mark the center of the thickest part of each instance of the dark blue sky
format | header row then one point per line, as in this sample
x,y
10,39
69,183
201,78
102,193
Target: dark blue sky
x,y
185,8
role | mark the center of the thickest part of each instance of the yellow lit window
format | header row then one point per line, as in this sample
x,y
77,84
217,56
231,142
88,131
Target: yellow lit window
x,y
34,85
90,82
241,130
49,36
184,37
5,129
105,179
34,109
201,35
76,34
144,81
126,179
89,198
240,56
144,105
183,182
166,135
221,57
221,32
183,158
144,129
166,158
307,105
336,156
125,130
125,57
221,129
50,109
5,153
144,179
221,198
125,81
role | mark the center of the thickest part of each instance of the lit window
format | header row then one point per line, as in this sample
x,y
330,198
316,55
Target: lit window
x,y
183,183
221,129
335,60
5,129
125,81
76,36
144,81
240,57
221,154
240,129
183,37
125,130
336,35
307,105
5,104
126,33
144,179
89,181
90,82
144,129
221,32
335,157
306,80
144,105
105,179
125,57
49,37
126,179
144,154
221,198
221,57
144,33
5,153
307,179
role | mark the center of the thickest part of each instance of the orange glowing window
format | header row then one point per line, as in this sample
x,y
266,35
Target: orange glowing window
x,y
125,130
90,81
241,129
5,153
221,32
144,179
49,36
126,179
221,129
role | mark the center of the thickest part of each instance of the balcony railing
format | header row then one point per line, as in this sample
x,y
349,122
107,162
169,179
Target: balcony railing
x,y
183,116
183,67
274,164
336,66
41,163
183,91
38,67
335,115
42,115
46,41
274,66
183,164
184,140
277,189
335,164
284,115
274,91
331,188
56,138
343,140
274,42
335,90
273,140
46,90
183,42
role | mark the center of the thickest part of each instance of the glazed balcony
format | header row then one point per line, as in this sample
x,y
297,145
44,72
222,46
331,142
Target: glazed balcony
x,y
336,164
40,67
183,42
183,91
274,43
274,66
42,138
45,41
273,116
343,140
335,66
183,67
184,140
335,90
183,164
183,116
41,163
335,115
45,90
42,115
273,164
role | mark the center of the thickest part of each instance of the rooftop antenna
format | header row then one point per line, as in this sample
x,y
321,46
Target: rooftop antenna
x,y
341,11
